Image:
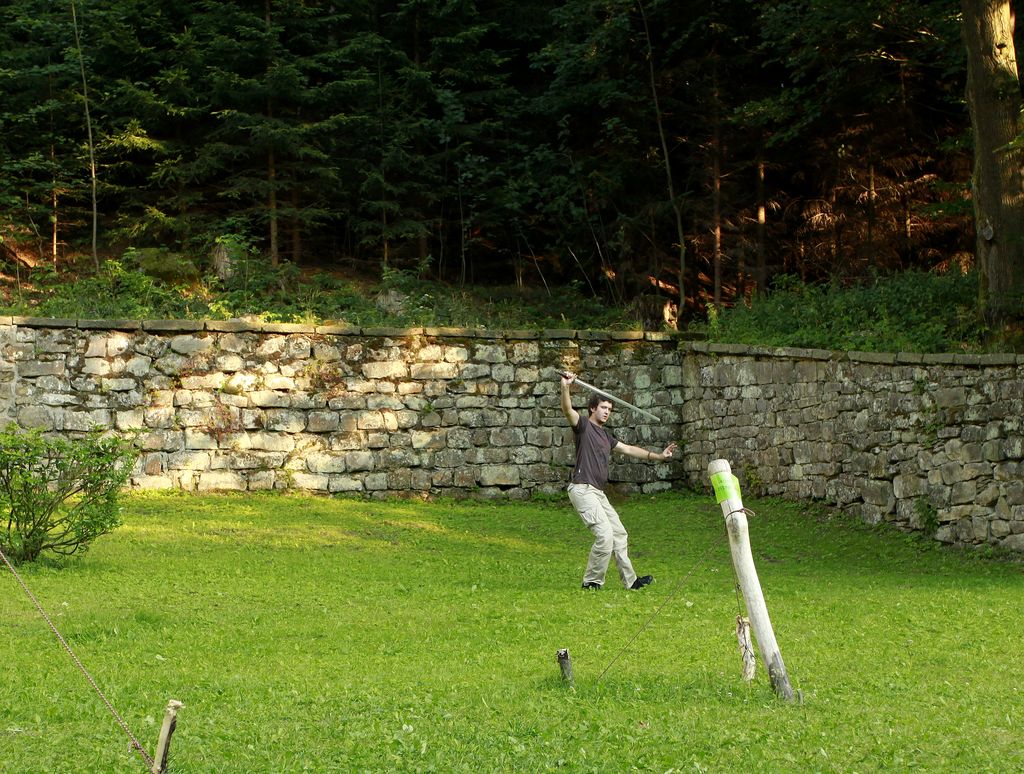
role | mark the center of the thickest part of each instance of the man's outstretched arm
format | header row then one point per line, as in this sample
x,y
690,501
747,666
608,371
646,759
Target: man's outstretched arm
x,y
643,454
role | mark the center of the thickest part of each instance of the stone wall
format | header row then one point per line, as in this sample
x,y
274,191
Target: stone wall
x,y
932,442
244,406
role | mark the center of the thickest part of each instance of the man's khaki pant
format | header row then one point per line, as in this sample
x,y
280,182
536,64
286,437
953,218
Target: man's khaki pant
x,y
609,534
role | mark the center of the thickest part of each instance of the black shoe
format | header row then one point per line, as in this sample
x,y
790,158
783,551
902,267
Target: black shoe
x,y
595,586
639,583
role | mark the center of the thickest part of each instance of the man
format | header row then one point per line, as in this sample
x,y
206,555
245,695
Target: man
x,y
594,445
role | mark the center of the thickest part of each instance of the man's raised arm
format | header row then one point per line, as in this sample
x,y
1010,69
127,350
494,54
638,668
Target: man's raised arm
x,y
568,377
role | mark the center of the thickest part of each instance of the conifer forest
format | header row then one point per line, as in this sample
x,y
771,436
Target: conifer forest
x,y
644,149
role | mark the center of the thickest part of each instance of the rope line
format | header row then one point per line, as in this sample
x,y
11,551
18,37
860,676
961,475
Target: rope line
x,y
672,594
661,607
60,638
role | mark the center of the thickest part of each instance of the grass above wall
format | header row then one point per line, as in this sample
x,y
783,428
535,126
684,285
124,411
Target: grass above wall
x,y
315,634
913,311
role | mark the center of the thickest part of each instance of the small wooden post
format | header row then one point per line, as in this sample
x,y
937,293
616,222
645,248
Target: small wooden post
x,y
727,492
746,648
163,746
566,664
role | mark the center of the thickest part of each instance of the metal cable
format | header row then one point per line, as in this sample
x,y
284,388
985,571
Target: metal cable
x,y
120,721
661,607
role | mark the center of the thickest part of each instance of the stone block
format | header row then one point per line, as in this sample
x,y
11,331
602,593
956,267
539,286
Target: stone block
x,y
190,345
379,402
220,480
507,436
311,481
429,439
188,460
376,420
879,493
359,461
285,421
385,370
433,370
171,364
963,493
504,374
200,439
322,462
908,486
1013,493
375,482
952,473
229,362
323,422
950,397
135,419
117,385
28,369
278,382
268,441
498,475
86,420
261,480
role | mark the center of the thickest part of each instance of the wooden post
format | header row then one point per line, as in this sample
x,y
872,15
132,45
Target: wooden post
x,y
746,648
727,492
163,746
566,664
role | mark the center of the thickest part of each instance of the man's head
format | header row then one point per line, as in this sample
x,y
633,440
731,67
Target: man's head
x,y
600,409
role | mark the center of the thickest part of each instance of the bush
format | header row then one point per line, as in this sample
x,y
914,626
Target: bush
x,y
909,312
119,290
58,495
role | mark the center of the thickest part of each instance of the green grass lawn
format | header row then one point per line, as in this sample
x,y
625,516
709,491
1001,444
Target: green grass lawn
x,y
327,635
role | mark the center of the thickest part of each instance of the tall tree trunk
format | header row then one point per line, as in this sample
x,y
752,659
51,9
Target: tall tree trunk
x,y
88,129
871,214
716,203
55,217
676,208
761,273
275,249
716,182
296,229
272,209
994,99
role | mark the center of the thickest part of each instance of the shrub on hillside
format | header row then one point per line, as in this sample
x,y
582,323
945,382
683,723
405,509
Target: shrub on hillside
x,y
58,495
909,312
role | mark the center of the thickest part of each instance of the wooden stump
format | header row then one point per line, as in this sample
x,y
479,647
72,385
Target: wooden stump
x,y
163,747
746,648
566,665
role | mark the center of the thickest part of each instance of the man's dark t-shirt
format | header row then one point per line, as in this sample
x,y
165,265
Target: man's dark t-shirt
x,y
594,446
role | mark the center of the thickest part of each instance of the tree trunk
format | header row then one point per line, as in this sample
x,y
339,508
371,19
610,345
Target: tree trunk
x,y
275,250
666,158
716,202
92,147
994,99
55,217
761,274
272,208
871,215
296,229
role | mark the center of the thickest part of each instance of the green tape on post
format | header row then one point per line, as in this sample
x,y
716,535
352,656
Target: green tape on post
x,y
726,486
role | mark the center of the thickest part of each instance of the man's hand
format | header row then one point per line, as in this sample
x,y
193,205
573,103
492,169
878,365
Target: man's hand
x,y
568,377
669,449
